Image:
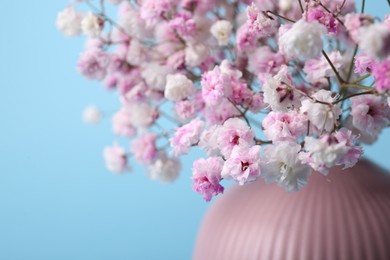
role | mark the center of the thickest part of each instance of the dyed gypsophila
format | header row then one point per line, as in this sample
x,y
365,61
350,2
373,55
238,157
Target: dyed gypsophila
x,y
197,73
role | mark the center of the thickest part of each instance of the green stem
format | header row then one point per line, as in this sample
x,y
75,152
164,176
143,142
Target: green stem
x,y
363,5
354,85
354,95
333,67
352,62
361,78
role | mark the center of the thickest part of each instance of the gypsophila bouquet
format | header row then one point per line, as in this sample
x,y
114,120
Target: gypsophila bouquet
x,y
267,88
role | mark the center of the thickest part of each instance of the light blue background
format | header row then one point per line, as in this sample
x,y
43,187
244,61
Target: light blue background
x,y
57,201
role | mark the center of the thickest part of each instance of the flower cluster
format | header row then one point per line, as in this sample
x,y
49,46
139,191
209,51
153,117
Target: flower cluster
x,y
272,89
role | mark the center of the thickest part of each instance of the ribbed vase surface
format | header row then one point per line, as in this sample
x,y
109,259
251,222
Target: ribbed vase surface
x,y
345,215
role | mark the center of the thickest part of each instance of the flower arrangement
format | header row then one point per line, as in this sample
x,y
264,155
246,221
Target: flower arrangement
x,y
267,88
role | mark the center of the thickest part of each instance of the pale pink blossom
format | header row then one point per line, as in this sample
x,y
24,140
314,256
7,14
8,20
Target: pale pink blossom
x,y
209,140
322,116
115,158
220,113
186,136
93,64
164,169
92,115
144,148
234,132
69,21
287,126
152,11
121,122
374,40
188,109
370,114
363,63
381,73
323,17
330,150
206,175
184,25
243,164
319,68
264,63
280,93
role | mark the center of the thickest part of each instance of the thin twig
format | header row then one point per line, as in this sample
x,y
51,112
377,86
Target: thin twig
x,y
300,5
280,16
333,67
354,95
352,62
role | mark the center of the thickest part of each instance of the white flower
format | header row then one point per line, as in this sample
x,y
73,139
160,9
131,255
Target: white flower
x,y
322,116
91,25
130,21
142,114
69,22
178,87
374,40
116,159
195,54
92,115
278,95
136,53
282,165
155,75
165,169
322,155
222,30
303,40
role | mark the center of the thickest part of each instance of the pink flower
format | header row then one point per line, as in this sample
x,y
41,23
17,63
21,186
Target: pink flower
x,y
279,126
121,122
353,154
259,23
186,136
234,132
381,73
213,86
207,175
243,165
153,10
144,148
265,63
330,150
184,25
115,158
220,113
209,140
322,116
324,18
370,114
319,68
363,63
93,64
187,109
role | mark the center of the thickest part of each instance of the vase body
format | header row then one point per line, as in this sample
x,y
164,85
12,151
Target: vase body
x,y
345,215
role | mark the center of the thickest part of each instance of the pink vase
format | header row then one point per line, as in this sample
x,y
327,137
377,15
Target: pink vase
x,y
345,215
